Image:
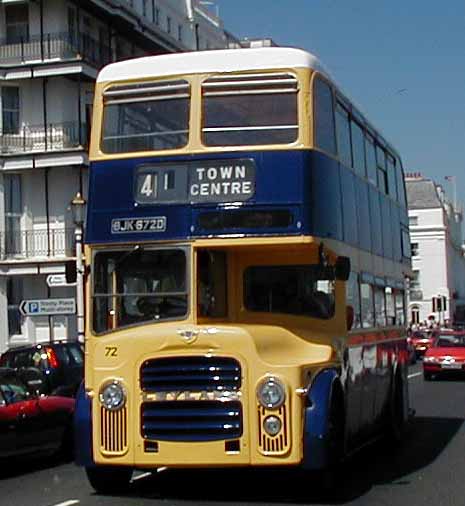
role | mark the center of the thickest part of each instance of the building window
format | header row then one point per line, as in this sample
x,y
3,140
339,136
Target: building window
x,y
10,110
17,23
144,8
72,26
413,220
13,212
415,281
168,24
180,32
415,316
14,289
414,248
155,13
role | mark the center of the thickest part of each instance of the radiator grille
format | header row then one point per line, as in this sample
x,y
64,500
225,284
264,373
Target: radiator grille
x,y
191,420
273,445
190,374
113,431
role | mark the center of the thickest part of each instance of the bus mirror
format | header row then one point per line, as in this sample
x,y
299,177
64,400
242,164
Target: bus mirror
x,y
70,272
342,268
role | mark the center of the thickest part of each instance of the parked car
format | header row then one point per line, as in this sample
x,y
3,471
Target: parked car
x,y
422,340
446,356
29,422
62,364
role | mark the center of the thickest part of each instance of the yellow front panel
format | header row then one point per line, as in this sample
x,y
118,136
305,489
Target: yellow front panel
x,y
119,440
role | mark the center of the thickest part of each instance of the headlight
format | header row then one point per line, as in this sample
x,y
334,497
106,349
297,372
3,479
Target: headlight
x,y
112,395
272,425
429,359
271,393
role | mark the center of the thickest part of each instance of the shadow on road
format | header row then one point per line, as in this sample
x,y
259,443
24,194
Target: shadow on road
x,y
19,466
380,464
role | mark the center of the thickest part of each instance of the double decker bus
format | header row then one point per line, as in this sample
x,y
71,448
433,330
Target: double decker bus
x,y
246,249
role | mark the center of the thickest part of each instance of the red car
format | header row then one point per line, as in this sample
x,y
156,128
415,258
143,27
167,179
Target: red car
x,y
445,356
422,340
30,423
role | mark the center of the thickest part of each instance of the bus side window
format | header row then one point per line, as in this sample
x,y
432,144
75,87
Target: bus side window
x,y
212,284
325,137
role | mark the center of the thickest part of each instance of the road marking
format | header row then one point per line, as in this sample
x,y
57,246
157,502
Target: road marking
x,y
414,374
67,503
140,476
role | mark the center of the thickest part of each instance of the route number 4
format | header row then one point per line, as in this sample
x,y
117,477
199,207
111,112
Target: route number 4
x,y
149,185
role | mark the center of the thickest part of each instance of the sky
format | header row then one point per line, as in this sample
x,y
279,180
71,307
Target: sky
x,y
402,62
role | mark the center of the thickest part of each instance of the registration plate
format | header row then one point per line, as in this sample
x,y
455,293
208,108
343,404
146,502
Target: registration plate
x,y
134,225
451,366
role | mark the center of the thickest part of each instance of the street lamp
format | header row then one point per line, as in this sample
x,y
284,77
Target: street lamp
x,y
78,211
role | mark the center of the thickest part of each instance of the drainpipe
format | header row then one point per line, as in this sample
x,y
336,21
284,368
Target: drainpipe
x,y
41,8
44,105
79,111
47,211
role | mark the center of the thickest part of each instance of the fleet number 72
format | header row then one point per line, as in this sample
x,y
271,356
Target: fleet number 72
x,y
111,351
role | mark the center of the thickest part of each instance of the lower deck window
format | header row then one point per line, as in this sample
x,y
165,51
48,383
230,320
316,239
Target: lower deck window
x,y
138,285
302,290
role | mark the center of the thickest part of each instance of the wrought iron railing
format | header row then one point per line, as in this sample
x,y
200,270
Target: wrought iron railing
x,y
50,137
53,46
21,244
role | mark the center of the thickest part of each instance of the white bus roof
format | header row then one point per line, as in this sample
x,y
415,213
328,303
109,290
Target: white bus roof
x,y
224,60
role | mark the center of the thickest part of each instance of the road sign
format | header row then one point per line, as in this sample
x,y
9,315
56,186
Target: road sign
x,y
44,307
58,280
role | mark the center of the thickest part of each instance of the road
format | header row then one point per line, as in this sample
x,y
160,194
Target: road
x,y
427,469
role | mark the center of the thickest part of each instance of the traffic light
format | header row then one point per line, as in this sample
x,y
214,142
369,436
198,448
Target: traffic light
x,y
70,271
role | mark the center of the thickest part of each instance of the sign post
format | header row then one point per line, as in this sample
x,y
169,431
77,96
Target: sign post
x,y
47,307
54,280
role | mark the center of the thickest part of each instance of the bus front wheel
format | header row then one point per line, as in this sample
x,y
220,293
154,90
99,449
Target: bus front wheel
x,y
109,479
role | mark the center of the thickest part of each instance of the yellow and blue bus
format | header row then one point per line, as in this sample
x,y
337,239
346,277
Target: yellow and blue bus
x,y
246,249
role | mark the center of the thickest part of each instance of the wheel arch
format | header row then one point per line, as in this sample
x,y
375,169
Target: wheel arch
x,y
325,389
82,425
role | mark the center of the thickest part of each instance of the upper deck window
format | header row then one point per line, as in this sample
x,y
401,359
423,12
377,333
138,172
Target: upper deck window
x,y
325,137
343,135
250,109
145,117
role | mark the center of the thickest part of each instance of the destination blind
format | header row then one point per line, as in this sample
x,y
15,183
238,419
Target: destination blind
x,y
196,182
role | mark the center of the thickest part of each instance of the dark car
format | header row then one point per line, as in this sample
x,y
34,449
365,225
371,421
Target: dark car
x,y
61,363
32,423
446,356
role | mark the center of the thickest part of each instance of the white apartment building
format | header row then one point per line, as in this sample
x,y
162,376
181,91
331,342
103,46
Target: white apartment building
x,y
50,54
438,261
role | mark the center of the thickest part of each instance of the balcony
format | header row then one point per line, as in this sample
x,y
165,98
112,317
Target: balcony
x,y
41,138
53,47
36,244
